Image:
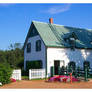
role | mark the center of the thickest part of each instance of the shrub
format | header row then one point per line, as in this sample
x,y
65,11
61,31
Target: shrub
x,y
31,65
25,72
20,63
72,65
34,64
5,73
62,70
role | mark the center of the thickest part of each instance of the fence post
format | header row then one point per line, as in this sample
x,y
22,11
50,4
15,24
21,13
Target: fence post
x,y
42,74
30,74
86,73
52,71
20,75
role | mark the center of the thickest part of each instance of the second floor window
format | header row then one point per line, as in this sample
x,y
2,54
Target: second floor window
x,y
38,45
28,47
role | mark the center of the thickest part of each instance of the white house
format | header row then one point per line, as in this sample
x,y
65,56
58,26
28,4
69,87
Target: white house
x,y
57,45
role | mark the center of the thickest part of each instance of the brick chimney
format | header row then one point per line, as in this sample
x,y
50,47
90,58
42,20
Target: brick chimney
x,y
51,20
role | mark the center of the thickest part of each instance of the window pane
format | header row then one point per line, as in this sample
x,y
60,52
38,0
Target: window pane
x,y
38,45
28,47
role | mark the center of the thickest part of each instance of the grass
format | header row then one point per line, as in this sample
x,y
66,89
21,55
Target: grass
x,y
40,79
25,77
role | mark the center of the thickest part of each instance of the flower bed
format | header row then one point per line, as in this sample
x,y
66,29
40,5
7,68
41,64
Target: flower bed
x,y
62,78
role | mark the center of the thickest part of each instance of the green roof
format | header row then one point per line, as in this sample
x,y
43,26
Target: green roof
x,y
53,35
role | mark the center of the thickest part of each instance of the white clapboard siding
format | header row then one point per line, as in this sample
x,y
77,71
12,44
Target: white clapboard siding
x,y
16,74
36,73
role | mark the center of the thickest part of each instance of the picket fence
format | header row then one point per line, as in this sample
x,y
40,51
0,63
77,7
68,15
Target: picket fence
x,y
16,74
36,73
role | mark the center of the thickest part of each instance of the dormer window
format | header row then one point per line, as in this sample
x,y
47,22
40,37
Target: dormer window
x,y
72,39
72,42
38,45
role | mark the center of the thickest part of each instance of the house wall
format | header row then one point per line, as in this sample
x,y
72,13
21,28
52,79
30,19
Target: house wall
x,y
34,55
66,55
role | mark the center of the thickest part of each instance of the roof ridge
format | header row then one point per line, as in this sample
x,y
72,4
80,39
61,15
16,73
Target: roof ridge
x,y
64,25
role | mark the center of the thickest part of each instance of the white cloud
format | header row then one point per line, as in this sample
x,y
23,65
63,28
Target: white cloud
x,y
58,9
6,4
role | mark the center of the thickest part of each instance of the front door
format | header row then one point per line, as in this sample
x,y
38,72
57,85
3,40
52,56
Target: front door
x,y
56,65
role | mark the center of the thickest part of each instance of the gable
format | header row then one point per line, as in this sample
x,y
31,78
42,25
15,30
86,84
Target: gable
x,y
33,32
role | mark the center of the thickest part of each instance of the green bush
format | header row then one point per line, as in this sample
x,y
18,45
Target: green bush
x,y
34,64
86,64
72,65
5,73
31,65
20,63
25,72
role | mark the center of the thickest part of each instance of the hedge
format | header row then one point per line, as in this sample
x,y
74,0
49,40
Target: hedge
x,y
5,73
34,64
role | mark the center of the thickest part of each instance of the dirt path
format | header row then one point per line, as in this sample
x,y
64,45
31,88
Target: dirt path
x,y
42,84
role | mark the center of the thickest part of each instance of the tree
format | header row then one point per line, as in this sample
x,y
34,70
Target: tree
x,y
13,56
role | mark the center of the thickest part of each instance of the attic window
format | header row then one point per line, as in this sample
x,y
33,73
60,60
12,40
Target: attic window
x,y
33,33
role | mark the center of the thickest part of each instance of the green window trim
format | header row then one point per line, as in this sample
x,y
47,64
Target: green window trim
x,y
38,45
28,47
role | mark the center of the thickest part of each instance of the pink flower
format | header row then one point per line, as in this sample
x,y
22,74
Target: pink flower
x,y
13,80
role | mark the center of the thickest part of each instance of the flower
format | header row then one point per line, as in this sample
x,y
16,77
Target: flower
x,y
13,80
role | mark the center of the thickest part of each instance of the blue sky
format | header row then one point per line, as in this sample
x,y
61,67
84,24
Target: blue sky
x,y
15,19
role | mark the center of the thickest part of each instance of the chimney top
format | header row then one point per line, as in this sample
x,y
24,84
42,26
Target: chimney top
x,y
51,20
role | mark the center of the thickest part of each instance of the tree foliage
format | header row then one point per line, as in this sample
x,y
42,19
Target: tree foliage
x,y
13,56
5,73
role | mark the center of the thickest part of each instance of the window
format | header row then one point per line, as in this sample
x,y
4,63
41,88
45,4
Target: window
x,y
38,45
28,47
72,41
33,33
